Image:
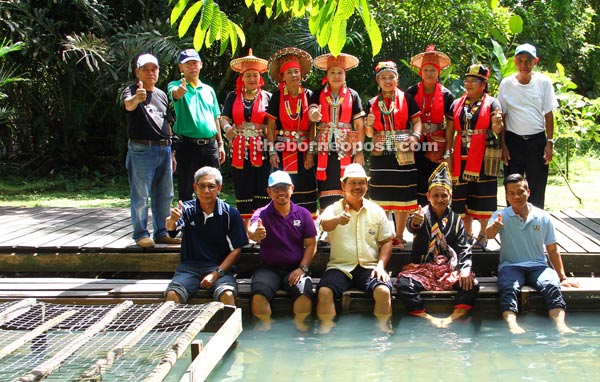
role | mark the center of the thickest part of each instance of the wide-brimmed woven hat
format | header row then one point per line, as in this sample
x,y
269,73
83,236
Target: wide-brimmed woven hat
x,y
344,61
250,61
289,54
430,56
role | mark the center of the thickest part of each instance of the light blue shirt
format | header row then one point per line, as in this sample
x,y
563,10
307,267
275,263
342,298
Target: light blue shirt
x,y
523,242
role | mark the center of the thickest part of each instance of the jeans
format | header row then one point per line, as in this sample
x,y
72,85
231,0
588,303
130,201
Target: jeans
x,y
544,279
150,175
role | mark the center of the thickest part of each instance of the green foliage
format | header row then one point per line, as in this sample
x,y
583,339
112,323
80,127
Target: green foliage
x,y
7,76
577,120
564,32
328,21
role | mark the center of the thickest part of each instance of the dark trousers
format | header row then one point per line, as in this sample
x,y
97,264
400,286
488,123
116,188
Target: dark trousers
x,y
527,158
408,292
191,157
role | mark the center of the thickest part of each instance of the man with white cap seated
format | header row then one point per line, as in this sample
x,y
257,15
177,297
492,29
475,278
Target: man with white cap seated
x,y
361,236
287,236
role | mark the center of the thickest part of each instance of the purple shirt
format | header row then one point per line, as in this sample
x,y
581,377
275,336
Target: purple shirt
x,y
284,245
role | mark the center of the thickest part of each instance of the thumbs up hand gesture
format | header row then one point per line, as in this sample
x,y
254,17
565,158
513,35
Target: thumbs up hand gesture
x,y
259,232
171,221
345,216
180,90
418,217
498,224
140,93
315,114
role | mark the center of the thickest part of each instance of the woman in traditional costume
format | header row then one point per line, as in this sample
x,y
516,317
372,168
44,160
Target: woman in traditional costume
x,y
395,126
288,127
474,152
338,112
435,101
244,124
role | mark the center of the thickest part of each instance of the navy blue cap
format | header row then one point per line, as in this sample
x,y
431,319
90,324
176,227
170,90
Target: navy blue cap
x,y
189,55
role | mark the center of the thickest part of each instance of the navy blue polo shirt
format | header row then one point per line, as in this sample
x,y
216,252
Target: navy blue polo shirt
x,y
208,240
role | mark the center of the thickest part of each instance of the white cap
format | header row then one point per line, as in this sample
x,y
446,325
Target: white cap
x,y
146,58
280,177
354,170
526,48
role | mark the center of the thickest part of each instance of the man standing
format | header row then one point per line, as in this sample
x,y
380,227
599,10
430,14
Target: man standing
x,y
197,124
524,231
149,163
287,236
361,236
213,237
527,100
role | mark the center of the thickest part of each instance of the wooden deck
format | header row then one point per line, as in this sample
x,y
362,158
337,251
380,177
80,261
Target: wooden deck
x,y
70,255
76,241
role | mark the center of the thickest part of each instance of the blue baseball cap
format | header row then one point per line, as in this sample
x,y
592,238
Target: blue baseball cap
x,y
189,55
280,177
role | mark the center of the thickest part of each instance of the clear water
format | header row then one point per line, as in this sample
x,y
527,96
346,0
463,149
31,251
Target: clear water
x,y
479,348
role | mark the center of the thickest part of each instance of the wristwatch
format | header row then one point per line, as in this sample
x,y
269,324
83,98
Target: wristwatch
x,y
305,269
220,272
551,140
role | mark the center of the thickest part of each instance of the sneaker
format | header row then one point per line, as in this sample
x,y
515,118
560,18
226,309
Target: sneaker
x,y
145,242
168,240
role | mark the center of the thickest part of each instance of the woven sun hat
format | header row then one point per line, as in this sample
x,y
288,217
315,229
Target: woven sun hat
x,y
285,55
249,62
430,56
477,70
344,61
354,170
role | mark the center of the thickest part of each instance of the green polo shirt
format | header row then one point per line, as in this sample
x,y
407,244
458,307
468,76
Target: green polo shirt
x,y
196,111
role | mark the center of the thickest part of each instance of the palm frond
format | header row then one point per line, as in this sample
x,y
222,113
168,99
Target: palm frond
x,y
87,48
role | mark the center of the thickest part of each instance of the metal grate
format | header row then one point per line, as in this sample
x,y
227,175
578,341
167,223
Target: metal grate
x,y
124,342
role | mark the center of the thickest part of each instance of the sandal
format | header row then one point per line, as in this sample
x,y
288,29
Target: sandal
x,y
398,243
481,242
470,238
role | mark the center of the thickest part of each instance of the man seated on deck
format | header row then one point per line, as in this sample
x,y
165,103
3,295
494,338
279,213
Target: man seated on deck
x,y
441,255
213,237
287,236
361,236
524,231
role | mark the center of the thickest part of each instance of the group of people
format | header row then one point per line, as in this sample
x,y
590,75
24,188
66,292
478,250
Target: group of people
x,y
295,151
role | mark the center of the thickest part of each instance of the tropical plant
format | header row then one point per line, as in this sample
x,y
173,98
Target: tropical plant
x,y
328,20
8,75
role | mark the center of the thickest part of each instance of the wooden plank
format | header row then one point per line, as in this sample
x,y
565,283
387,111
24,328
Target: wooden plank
x,y
583,240
586,225
53,227
89,262
214,350
81,233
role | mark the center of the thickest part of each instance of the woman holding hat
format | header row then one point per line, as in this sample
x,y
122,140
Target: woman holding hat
x,y
477,121
435,101
395,126
338,111
244,124
288,127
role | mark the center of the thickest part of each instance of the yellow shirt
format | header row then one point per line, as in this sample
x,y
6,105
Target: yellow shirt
x,y
356,243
